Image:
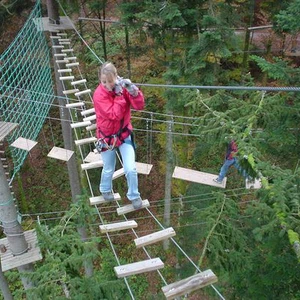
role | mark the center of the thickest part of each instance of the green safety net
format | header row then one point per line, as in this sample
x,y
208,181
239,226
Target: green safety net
x,y
26,86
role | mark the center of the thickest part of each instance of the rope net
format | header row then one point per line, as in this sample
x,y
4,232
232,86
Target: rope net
x,y
26,84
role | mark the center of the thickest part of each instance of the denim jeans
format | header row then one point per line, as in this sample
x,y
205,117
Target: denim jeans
x,y
228,163
109,164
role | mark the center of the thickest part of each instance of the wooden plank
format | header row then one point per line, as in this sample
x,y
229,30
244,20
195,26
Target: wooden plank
x,y
141,168
198,177
87,111
78,81
93,156
92,165
154,237
74,64
66,77
118,226
80,124
88,91
189,284
24,144
68,92
60,153
75,104
90,118
253,185
100,199
86,141
129,208
10,261
91,127
139,267
6,128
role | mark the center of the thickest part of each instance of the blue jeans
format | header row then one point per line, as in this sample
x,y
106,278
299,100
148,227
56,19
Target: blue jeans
x,y
109,165
228,163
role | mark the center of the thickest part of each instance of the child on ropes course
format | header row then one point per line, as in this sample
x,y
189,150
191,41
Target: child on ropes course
x,y
113,99
231,160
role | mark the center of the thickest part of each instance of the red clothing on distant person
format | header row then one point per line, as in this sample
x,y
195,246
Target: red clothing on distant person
x,y
232,149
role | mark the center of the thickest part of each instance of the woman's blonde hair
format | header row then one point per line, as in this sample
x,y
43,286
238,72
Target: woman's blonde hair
x,y
109,70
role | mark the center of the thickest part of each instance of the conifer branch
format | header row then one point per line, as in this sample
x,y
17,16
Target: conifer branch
x,y
210,233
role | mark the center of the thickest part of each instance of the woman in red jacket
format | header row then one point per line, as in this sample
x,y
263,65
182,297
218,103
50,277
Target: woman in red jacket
x,y
113,99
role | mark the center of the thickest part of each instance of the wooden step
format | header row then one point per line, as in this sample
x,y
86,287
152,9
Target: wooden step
x,y
117,226
85,141
92,165
87,111
62,34
72,64
78,81
189,284
139,267
64,70
54,37
60,153
80,124
24,144
60,54
67,50
154,237
141,168
62,61
65,43
71,58
253,185
91,127
83,92
64,40
66,78
75,104
100,200
93,156
58,46
68,92
90,118
198,177
129,208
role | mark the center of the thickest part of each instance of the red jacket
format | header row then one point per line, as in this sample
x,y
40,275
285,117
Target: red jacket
x,y
231,150
113,111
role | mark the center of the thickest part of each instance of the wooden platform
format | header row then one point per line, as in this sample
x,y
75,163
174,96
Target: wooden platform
x,y
92,165
9,261
43,24
24,144
118,226
141,168
253,185
198,177
6,128
154,237
189,284
100,199
92,157
60,153
129,208
139,267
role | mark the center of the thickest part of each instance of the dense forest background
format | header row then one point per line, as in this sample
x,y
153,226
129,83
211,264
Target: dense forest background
x,y
249,238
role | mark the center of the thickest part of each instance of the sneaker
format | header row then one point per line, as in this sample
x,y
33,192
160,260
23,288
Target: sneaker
x,y
108,196
137,203
216,180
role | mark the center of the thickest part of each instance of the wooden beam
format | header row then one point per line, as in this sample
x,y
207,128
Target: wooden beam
x,y
189,284
6,128
80,124
85,141
60,153
154,237
198,177
141,168
139,267
92,165
10,261
129,208
100,199
118,226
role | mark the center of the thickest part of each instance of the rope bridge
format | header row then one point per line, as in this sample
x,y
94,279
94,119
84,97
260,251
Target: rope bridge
x,y
26,84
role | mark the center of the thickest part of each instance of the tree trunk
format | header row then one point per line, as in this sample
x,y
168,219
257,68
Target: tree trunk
x,y
11,227
4,286
168,178
69,145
